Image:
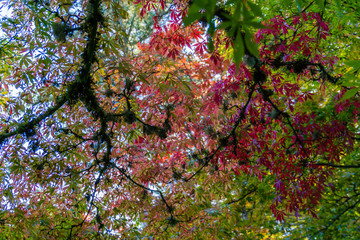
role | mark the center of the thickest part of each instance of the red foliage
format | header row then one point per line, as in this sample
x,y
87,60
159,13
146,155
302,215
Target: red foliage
x,y
175,120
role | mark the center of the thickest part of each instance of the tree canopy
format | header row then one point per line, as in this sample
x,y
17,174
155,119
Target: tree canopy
x,y
200,119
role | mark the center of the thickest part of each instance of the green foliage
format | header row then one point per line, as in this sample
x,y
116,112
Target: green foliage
x,y
239,23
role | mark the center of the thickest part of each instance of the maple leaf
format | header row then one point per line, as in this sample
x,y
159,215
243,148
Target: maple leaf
x,y
195,121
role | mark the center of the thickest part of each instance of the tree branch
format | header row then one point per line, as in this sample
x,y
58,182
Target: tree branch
x,y
24,127
336,166
337,217
242,197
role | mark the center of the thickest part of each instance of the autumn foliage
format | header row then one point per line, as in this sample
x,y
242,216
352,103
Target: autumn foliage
x,y
174,136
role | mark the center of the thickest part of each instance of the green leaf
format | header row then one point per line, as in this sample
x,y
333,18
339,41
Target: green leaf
x,y
350,93
348,80
320,3
224,25
210,10
255,24
251,45
193,14
239,50
353,63
237,14
255,8
299,4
